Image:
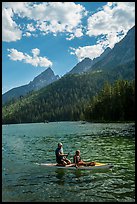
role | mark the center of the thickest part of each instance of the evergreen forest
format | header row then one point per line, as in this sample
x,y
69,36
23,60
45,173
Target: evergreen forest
x,y
95,96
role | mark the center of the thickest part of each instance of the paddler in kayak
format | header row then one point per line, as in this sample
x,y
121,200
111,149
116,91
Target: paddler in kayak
x,y
60,156
79,162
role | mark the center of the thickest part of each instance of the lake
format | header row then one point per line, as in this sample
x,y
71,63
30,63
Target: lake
x,y
24,145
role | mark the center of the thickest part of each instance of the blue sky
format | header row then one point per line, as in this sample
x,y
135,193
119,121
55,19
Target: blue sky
x,y
38,35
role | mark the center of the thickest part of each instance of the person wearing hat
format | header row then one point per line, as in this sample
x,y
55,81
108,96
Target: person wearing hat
x,y
60,156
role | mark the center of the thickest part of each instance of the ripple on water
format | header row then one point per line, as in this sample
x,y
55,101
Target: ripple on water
x,y
25,145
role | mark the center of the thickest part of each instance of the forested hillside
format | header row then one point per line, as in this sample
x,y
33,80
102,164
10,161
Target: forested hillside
x,y
69,97
42,80
113,103
65,99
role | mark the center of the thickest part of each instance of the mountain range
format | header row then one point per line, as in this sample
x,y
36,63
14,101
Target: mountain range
x,y
45,78
87,63
65,98
123,52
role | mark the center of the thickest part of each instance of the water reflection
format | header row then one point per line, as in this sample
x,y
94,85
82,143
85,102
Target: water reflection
x,y
78,173
63,175
60,173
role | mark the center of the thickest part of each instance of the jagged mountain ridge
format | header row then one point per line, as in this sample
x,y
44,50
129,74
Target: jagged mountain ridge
x,y
64,99
43,79
122,53
82,66
40,81
47,77
87,63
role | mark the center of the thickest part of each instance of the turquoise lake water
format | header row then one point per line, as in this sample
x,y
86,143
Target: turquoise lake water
x,y
24,145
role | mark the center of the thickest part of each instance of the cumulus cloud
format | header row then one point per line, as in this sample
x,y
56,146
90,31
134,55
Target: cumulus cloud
x,y
108,25
27,34
114,17
35,52
49,17
60,17
34,60
30,27
87,51
10,30
78,33
15,55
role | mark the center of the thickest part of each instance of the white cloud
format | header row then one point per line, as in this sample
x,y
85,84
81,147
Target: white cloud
x,y
113,18
59,17
34,60
66,17
30,27
87,51
10,30
48,17
105,25
27,34
15,55
35,52
78,33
